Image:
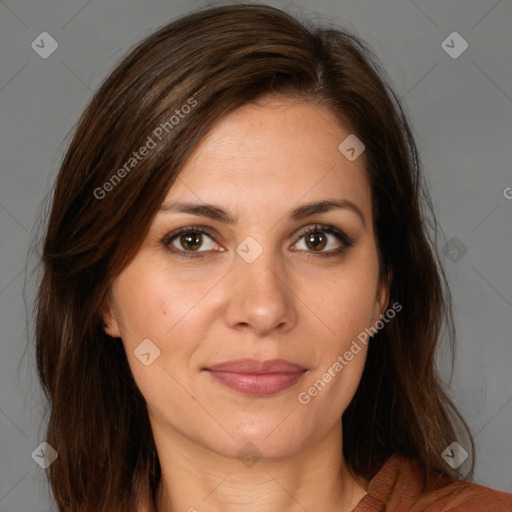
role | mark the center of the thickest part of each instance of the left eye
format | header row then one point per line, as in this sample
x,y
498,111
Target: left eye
x,y
319,238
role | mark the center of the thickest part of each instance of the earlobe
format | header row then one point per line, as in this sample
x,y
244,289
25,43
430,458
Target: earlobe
x,y
111,328
384,293
110,325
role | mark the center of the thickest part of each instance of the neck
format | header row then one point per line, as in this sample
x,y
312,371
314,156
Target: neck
x,y
195,478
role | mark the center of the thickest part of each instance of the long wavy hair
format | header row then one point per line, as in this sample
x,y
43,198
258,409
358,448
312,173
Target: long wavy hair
x,y
216,60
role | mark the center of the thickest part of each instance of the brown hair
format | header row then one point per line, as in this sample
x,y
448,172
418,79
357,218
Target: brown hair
x,y
216,60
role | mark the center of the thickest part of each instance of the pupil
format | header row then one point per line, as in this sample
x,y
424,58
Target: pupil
x,y
317,240
192,241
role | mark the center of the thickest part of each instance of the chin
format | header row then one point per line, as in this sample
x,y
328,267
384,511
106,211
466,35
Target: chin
x,y
267,442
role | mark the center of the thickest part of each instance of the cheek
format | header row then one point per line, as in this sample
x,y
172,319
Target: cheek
x,y
154,313
149,304
171,311
345,302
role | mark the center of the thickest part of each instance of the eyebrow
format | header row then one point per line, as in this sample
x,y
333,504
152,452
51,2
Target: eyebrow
x,y
216,213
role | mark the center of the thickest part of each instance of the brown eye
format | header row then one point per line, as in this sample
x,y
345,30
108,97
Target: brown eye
x,y
316,240
320,237
191,240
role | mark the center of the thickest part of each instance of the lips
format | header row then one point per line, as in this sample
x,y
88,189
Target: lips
x,y
257,378
257,367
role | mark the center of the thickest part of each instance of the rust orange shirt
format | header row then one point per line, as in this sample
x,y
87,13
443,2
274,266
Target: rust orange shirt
x,y
399,486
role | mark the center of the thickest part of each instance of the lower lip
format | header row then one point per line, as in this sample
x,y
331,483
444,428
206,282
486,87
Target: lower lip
x,y
257,384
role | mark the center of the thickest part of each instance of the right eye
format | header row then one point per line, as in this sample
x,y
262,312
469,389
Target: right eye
x,y
187,241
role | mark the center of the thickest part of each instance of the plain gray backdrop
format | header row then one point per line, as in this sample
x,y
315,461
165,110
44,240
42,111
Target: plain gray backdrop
x,y
460,107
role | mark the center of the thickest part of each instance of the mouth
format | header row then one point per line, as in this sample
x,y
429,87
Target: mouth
x,y
257,378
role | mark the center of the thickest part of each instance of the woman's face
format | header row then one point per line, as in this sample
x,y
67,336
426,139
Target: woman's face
x,y
253,288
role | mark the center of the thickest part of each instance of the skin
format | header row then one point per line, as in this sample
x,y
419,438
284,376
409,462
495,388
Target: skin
x,y
257,163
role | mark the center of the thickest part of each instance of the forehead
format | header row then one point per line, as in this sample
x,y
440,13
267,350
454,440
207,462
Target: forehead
x,y
270,155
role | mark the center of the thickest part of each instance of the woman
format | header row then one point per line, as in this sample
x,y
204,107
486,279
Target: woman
x,y
240,303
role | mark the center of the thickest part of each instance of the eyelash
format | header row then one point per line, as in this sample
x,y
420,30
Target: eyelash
x,y
345,240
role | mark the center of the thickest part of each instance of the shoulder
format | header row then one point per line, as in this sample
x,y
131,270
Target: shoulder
x,y
403,485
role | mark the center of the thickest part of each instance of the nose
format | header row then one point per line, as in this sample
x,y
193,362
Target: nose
x,y
260,297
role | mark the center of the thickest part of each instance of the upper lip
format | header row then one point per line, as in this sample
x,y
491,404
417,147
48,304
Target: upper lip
x,y
255,366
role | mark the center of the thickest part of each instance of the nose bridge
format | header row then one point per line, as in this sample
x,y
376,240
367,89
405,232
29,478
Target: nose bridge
x,y
260,295
256,266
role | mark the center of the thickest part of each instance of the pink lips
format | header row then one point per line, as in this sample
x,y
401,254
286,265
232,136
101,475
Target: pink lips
x,y
259,378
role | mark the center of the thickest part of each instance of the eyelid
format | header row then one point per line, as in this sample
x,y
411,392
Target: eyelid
x,y
343,238
204,230
192,228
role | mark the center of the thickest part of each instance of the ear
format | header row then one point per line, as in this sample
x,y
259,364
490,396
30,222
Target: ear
x,y
110,323
382,298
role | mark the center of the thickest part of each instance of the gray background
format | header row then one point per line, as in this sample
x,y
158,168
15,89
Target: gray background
x,y
461,111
